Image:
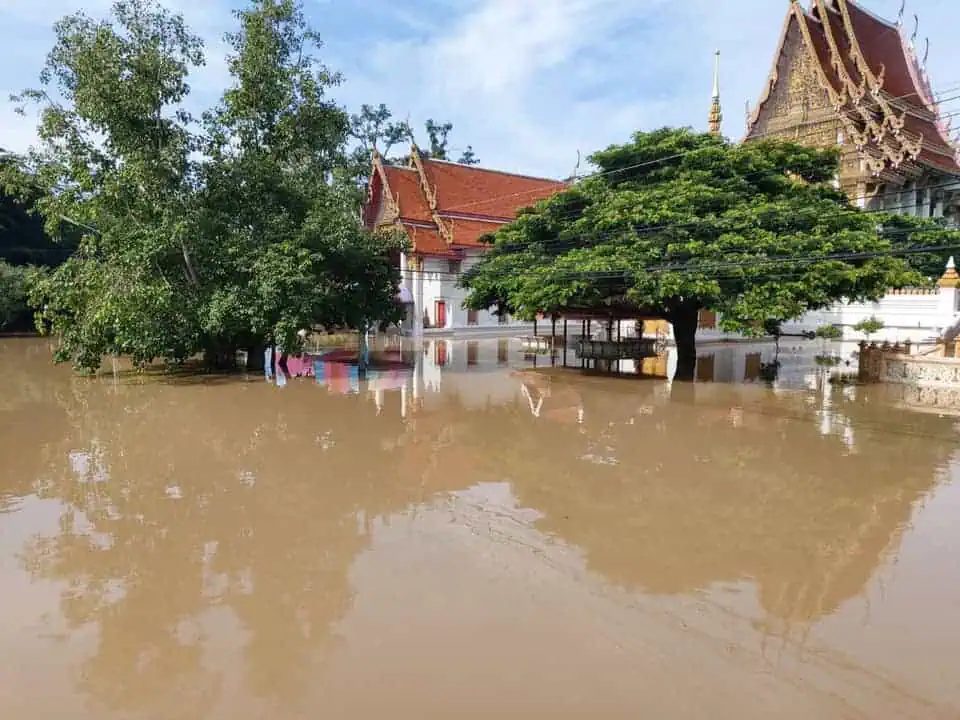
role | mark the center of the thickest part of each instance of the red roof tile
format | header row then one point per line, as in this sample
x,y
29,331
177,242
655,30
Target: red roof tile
x,y
883,49
469,190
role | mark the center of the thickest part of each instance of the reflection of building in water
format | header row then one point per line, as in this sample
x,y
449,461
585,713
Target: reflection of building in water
x,y
244,581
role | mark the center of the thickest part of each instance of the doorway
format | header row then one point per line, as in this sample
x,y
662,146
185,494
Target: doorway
x,y
440,312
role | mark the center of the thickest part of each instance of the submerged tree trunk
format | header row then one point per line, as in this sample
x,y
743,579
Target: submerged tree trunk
x,y
219,358
685,336
256,357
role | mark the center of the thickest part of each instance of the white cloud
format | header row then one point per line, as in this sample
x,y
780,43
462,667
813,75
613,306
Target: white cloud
x,y
526,82
26,34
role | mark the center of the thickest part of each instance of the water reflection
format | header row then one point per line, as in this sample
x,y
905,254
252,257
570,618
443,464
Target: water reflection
x,y
228,549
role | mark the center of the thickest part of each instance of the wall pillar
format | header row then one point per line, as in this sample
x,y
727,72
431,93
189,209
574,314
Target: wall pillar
x,y
925,202
909,201
948,295
938,205
418,309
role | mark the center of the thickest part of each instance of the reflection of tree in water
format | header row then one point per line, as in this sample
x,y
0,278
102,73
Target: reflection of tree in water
x,y
676,496
189,499
184,500
29,416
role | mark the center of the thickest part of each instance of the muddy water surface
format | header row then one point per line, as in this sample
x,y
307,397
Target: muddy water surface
x,y
471,541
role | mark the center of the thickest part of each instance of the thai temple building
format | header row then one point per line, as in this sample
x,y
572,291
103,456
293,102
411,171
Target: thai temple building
x,y
841,76
445,209
844,77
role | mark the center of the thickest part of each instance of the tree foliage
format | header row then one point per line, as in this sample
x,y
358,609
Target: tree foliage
x,y
23,240
374,127
198,237
15,281
870,326
828,332
675,222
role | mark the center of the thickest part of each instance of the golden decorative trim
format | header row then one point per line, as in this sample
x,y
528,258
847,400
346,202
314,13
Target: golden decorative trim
x,y
861,63
417,162
774,73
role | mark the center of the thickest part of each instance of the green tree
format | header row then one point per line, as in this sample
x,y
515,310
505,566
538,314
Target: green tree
x,y
829,332
15,284
278,197
23,240
242,247
869,326
677,221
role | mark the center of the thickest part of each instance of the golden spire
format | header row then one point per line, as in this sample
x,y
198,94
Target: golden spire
x,y
716,116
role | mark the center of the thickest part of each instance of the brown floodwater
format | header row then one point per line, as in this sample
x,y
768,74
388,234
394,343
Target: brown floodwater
x,y
471,538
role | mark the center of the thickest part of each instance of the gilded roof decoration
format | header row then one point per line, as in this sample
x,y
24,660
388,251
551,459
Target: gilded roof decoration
x,y
877,90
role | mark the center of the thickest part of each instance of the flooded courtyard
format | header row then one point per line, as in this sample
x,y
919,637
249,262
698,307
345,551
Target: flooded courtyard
x,y
460,534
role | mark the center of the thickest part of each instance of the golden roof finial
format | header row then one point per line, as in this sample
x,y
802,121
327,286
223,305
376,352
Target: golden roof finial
x,y
950,278
716,115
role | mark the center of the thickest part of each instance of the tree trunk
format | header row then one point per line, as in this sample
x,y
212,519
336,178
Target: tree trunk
x,y
685,336
256,360
219,357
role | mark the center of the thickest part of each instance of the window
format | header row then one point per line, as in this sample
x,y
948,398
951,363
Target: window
x,y
454,267
707,320
471,317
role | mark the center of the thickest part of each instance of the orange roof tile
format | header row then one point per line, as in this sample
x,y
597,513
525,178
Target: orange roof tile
x,y
428,241
405,187
469,232
469,190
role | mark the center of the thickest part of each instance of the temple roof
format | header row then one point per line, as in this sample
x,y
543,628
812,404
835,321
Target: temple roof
x,y
446,206
873,78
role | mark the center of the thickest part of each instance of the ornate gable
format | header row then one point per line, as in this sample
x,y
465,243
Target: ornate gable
x,y
827,88
794,89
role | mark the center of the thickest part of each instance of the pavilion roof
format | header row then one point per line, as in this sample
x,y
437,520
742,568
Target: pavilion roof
x,y
446,207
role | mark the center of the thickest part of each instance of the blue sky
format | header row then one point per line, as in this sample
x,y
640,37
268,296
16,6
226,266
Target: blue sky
x,y
528,83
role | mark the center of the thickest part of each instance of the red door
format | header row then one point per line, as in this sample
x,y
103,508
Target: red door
x,y
441,314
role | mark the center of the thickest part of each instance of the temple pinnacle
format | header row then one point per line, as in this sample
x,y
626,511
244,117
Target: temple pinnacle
x,y
716,115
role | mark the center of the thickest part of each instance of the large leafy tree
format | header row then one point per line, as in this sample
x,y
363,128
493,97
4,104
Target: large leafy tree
x,y
114,161
675,222
211,238
278,199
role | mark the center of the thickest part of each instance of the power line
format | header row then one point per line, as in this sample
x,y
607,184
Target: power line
x,y
664,159
704,266
573,242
